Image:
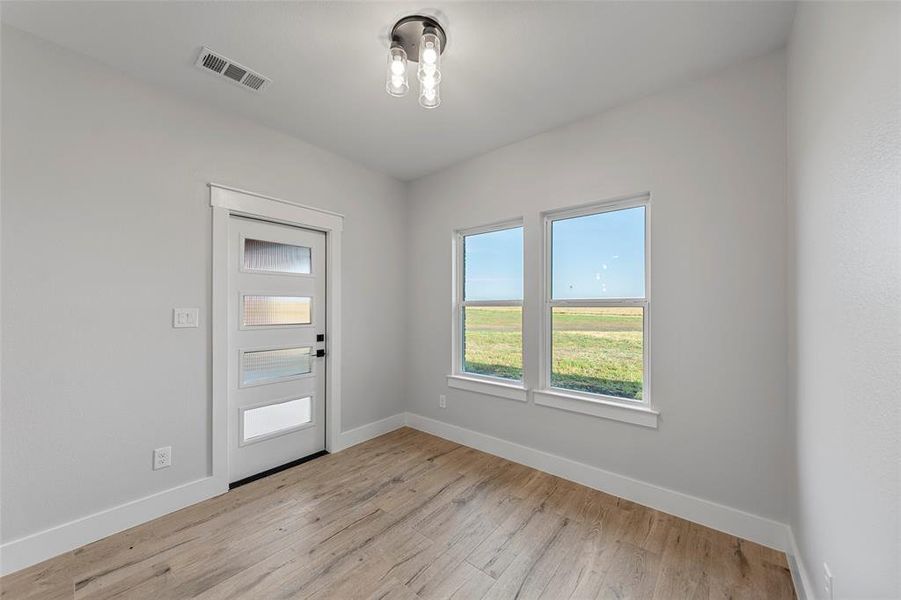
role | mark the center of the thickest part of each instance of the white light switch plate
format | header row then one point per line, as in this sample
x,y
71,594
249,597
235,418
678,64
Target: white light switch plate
x,y
185,317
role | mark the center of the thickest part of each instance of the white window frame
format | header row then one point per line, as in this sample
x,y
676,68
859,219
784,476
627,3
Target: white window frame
x,y
639,412
475,382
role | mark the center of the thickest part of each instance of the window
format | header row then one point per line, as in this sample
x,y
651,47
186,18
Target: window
x,y
488,307
280,364
597,303
588,326
264,422
261,256
275,311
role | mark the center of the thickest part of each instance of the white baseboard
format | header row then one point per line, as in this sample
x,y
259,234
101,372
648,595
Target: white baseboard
x,y
38,547
710,514
24,552
803,588
32,549
360,434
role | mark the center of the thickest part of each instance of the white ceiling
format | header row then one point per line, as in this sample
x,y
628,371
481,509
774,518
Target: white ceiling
x,y
511,69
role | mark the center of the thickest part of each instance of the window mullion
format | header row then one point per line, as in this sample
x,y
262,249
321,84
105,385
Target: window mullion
x,y
466,303
613,302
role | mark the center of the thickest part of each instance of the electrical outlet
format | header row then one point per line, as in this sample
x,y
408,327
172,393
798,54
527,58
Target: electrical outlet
x,y
827,582
162,458
442,401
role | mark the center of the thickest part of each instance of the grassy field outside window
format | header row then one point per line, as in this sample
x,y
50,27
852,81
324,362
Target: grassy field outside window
x,y
492,344
598,350
491,303
597,300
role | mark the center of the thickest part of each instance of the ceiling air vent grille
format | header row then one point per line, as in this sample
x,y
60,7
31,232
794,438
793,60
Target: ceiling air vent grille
x,y
254,81
225,67
213,62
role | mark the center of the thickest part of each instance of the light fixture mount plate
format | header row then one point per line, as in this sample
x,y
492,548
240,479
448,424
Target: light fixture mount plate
x,y
407,32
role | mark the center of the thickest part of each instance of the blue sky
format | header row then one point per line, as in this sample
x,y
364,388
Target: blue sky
x,y
598,256
493,269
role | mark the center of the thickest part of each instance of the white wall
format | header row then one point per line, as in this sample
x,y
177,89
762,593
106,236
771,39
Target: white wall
x,y
106,227
712,154
844,198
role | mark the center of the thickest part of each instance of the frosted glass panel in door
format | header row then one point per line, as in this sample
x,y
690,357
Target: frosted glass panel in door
x,y
268,366
266,421
275,257
271,311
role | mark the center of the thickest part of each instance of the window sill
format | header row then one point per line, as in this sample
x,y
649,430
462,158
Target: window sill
x,y
604,409
511,391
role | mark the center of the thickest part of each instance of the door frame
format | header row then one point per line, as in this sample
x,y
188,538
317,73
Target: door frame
x,y
226,202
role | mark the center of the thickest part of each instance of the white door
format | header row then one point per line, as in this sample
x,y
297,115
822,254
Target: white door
x,y
276,312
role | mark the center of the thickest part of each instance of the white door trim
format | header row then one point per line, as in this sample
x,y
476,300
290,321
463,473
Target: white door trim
x,y
226,201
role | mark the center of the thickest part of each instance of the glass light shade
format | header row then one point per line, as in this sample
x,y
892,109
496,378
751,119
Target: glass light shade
x,y
429,57
429,93
430,97
396,79
429,72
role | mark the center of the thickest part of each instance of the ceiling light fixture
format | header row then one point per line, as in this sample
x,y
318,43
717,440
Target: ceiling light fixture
x,y
419,39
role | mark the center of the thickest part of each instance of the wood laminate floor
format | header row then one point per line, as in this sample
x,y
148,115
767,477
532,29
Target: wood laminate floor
x,y
408,516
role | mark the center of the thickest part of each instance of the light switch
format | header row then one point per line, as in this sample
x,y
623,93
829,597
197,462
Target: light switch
x,y
185,317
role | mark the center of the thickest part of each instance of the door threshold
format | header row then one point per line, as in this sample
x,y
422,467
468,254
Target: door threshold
x,y
277,469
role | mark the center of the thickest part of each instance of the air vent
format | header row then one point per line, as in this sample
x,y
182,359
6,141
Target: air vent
x,y
225,67
254,81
